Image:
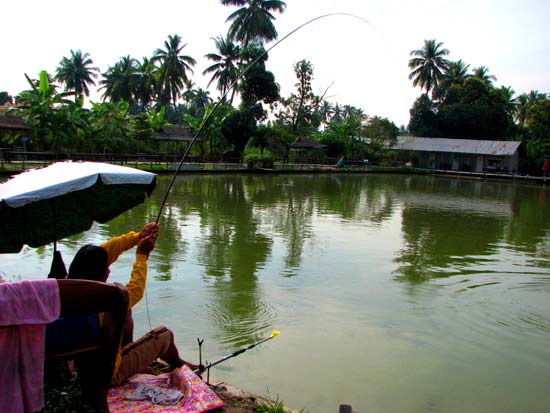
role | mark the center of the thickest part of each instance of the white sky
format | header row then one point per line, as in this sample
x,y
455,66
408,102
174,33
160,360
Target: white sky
x,y
366,67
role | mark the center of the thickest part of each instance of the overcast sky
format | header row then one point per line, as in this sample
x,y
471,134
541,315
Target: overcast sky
x,y
364,65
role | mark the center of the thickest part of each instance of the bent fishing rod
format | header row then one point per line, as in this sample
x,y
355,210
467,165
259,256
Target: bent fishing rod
x,y
234,84
202,368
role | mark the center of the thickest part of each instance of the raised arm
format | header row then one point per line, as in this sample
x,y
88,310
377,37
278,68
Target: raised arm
x,y
136,285
118,245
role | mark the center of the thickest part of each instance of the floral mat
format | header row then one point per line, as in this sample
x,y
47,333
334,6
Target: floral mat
x,y
198,397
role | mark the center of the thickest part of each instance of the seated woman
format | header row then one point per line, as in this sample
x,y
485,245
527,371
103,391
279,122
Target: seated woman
x,y
92,263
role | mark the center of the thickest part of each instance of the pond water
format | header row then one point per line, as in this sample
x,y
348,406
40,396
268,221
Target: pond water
x,y
391,292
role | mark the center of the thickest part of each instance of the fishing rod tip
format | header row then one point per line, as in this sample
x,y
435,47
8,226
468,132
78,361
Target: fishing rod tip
x,y
275,333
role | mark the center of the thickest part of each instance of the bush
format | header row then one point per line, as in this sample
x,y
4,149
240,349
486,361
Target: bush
x,y
255,158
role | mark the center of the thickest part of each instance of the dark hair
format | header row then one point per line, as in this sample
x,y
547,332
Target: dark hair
x,y
89,263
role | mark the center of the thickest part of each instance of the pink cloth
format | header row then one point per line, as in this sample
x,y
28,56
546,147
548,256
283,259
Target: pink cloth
x,y
198,397
25,308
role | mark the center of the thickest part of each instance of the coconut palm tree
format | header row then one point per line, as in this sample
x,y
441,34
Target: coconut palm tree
x,y
457,72
337,113
173,68
482,72
120,81
76,73
428,65
534,96
326,110
522,106
225,68
146,81
510,102
254,20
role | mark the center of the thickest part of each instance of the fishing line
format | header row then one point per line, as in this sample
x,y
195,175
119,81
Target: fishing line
x,y
235,82
222,99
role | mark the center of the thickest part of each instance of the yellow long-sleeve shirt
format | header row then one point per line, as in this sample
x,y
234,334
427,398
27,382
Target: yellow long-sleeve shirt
x,y
138,279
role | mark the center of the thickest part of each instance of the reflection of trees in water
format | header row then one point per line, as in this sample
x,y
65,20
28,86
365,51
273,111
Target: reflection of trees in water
x,y
290,212
529,231
231,249
239,216
437,241
449,223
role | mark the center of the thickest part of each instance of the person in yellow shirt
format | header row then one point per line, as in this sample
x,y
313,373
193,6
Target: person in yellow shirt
x,y
92,262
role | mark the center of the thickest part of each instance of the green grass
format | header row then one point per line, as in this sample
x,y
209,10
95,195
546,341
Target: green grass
x,y
278,407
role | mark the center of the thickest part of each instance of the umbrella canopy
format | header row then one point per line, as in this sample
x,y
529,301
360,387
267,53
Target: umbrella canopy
x,y
44,205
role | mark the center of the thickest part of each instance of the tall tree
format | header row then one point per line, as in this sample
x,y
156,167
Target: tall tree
x,y
482,73
120,81
508,95
76,73
254,20
535,96
173,69
428,65
225,68
326,111
457,72
300,112
522,106
258,85
538,141
146,82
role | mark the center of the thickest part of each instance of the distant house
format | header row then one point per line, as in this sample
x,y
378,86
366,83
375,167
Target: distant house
x,y
174,134
12,125
307,149
462,154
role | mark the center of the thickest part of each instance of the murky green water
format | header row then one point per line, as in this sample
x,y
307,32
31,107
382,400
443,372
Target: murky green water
x,y
392,293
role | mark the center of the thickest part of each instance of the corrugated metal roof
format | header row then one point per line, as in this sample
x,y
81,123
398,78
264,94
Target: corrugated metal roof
x,y
470,146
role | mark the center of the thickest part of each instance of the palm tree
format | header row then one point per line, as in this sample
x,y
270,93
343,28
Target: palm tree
x,y
76,73
524,102
121,80
522,106
224,69
146,81
457,72
482,73
510,102
534,96
173,69
326,110
254,20
337,113
428,65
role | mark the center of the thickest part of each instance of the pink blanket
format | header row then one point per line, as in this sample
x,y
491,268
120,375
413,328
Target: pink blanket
x,y
26,306
198,397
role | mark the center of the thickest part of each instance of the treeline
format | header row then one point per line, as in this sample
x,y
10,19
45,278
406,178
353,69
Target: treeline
x,y
251,118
